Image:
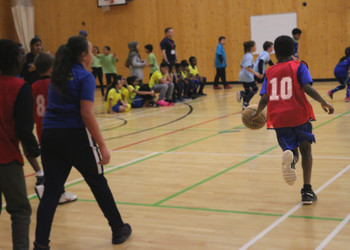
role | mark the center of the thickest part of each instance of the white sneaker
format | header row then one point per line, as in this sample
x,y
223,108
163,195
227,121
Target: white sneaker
x,y
67,197
39,190
289,173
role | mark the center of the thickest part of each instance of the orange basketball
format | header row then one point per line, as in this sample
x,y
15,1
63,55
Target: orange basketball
x,y
256,123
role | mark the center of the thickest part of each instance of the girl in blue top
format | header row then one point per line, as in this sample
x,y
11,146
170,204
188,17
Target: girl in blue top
x,y
71,137
342,75
246,76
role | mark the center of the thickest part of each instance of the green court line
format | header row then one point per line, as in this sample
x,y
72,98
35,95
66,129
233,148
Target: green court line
x,y
147,158
239,164
219,210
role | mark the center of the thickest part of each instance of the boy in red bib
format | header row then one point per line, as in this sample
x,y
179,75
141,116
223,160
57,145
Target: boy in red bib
x,y
43,64
289,113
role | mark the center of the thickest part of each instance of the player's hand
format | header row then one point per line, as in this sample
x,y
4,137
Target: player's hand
x,y
328,108
260,76
105,155
152,93
253,116
32,68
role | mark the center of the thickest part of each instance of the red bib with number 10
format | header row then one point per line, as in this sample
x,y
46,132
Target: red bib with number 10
x,y
287,104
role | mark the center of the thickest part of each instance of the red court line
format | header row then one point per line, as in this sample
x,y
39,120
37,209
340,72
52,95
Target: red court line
x,y
29,175
169,133
175,131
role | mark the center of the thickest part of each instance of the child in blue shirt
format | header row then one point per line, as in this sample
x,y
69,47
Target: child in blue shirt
x,y
246,75
341,73
262,60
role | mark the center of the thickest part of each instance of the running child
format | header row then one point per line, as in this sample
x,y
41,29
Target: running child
x,y
341,72
246,75
262,60
289,112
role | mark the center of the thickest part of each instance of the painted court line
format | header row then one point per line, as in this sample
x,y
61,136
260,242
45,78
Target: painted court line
x,y
218,210
228,154
286,215
81,179
175,131
333,233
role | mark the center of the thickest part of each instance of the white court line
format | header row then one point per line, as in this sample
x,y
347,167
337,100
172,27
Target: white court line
x,y
106,171
333,233
228,154
285,216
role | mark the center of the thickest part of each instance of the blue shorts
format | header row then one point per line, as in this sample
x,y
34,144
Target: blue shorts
x,y
117,106
291,137
342,80
137,102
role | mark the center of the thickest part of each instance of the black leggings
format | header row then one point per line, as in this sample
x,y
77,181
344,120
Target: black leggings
x,y
97,72
63,148
109,78
250,89
179,87
220,73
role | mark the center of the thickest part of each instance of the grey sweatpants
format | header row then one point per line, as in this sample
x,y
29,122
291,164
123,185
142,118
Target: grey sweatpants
x,y
164,90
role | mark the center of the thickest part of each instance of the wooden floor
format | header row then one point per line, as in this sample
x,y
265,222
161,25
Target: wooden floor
x,y
192,177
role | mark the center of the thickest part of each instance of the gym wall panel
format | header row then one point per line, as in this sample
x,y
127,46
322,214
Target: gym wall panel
x,y
7,26
197,25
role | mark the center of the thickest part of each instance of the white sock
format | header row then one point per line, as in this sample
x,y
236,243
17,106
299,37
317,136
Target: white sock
x,y
40,173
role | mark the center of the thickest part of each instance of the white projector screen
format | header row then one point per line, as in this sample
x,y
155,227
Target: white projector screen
x,y
269,27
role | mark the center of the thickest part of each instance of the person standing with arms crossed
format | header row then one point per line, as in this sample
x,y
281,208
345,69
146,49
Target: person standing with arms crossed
x,y
168,47
220,64
71,137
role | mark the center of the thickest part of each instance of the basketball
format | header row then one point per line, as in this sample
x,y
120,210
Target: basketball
x,y
256,123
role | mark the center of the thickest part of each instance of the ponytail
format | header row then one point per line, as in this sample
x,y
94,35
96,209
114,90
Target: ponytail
x,y
66,55
248,45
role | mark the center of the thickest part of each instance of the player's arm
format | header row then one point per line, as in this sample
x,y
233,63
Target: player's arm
x,y
262,105
165,78
270,62
316,96
260,66
24,123
257,74
144,92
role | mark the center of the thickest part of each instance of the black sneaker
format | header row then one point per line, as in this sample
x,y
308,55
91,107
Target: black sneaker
x,y
202,94
40,180
37,247
308,197
122,234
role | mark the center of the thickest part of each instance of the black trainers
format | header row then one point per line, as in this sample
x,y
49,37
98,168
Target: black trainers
x,y
308,197
122,234
40,180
